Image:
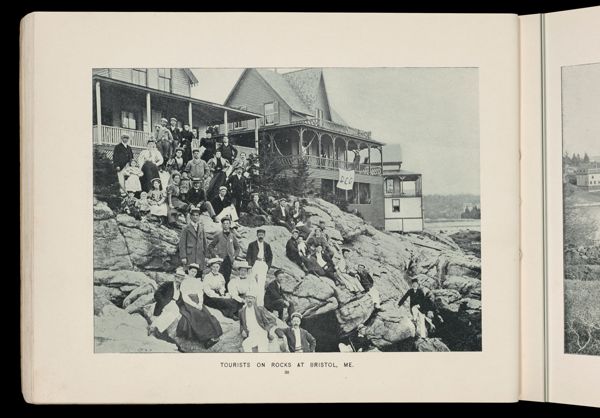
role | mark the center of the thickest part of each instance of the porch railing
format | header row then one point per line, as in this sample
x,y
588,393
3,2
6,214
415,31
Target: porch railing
x,y
336,127
111,135
329,164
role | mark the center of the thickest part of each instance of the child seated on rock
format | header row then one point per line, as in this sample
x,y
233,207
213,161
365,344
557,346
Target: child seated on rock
x,y
128,204
132,177
302,248
157,201
143,207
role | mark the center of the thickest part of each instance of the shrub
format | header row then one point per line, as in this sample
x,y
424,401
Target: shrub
x,y
582,317
106,183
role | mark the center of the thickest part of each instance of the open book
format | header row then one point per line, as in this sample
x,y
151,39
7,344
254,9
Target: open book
x,y
311,202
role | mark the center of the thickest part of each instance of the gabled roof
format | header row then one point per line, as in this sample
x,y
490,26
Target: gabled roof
x,y
284,89
191,76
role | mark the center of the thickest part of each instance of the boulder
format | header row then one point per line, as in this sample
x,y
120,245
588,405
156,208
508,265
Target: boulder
x,y
102,211
354,313
106,296
119,278
466,286
116,331
389,328
143,290
430,344
447,299
110,247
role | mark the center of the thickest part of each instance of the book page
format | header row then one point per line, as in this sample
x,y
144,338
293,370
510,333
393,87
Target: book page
x,y
532,287
436,95
572,68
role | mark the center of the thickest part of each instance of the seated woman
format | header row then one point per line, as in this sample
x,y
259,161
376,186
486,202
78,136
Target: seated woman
x,y
317,238
217,165
215,294
177,206
149,160
256,215
320,264
157,201
298,218
196,322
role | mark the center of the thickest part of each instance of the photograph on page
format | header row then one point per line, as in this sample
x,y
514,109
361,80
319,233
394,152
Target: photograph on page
x,y
286,210
581,207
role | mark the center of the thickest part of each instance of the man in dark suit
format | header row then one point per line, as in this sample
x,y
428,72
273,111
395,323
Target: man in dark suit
x,y
419,306
197,197
237,188
223,206
292,252
281,215
228,151
298,339
259,256
175,132
274,299
225,246
122,156
192,241
367,283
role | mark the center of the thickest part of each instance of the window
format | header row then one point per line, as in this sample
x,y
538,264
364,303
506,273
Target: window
x,y
395,205
164,79
138,76
364,193
271,113
319,114
389,186
127,120
241,124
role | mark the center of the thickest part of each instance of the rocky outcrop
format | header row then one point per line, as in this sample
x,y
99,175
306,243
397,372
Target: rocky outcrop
x,y
133,258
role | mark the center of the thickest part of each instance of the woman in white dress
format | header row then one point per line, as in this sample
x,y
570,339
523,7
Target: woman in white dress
x,y
149,160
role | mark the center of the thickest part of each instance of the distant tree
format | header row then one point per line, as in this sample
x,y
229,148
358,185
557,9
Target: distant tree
x,y
586,158
266,174
106,183
301,183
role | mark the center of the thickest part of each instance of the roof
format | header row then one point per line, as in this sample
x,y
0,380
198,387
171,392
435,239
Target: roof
x,y
284,90
191,76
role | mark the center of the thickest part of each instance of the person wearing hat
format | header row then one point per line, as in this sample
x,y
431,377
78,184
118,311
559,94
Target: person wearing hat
x,y
228,151
175,132
223,206
215,291
165,146
149,160
192,241
241,285
196,323
176,205
177,162
320,264
218,168
209,144
122,156
237,185
367,283
291,250
186,142
157,198
167,298
419,306
256,324
260,257
298,339
258,214
343,272
226,246
281,214
197,198
275,301
316,238
196,167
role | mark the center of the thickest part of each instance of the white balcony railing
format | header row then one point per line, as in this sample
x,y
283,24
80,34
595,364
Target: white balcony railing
x,y
111,135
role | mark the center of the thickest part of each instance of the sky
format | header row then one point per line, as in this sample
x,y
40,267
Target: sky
x,y
427,117
581,109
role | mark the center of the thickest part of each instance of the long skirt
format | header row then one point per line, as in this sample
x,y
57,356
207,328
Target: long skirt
x,y
217,180
150,171
197,324
228,307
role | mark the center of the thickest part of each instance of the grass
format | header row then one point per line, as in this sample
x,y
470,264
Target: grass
x,y
582,317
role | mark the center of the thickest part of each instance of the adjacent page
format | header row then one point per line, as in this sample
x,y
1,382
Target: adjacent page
x,y
446,92
572,86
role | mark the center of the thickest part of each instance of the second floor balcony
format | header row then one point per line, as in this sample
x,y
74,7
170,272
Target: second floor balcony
x,y
324,163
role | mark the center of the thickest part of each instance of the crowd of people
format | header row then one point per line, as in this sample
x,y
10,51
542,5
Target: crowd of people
x,y
178,179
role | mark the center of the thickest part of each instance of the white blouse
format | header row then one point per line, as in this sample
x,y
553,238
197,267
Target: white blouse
x,y
192,286
150,155
214,284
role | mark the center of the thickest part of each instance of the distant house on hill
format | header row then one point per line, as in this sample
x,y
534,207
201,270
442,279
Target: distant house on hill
x,y
588,178
299,123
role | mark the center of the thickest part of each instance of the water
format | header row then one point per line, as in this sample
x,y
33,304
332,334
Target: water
x,y
452,225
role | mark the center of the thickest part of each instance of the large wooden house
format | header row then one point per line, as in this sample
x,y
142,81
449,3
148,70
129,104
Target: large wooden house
x,y
298,122
133,101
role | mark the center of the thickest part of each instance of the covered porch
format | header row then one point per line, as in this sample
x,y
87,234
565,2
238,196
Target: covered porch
x,y
324,145
120,107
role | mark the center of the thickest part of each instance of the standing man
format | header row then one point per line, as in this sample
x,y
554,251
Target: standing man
x,y
259,256
274,299
237,188
226,246
418,304
122,156
255,324
298,339
192,241
175,132
228,151
186,142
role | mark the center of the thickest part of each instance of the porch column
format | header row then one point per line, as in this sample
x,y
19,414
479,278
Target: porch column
x,y
381,158
226,122
148,113
319,151
301,144
98,113
256,136
190,114
334,150
369,157
346,160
